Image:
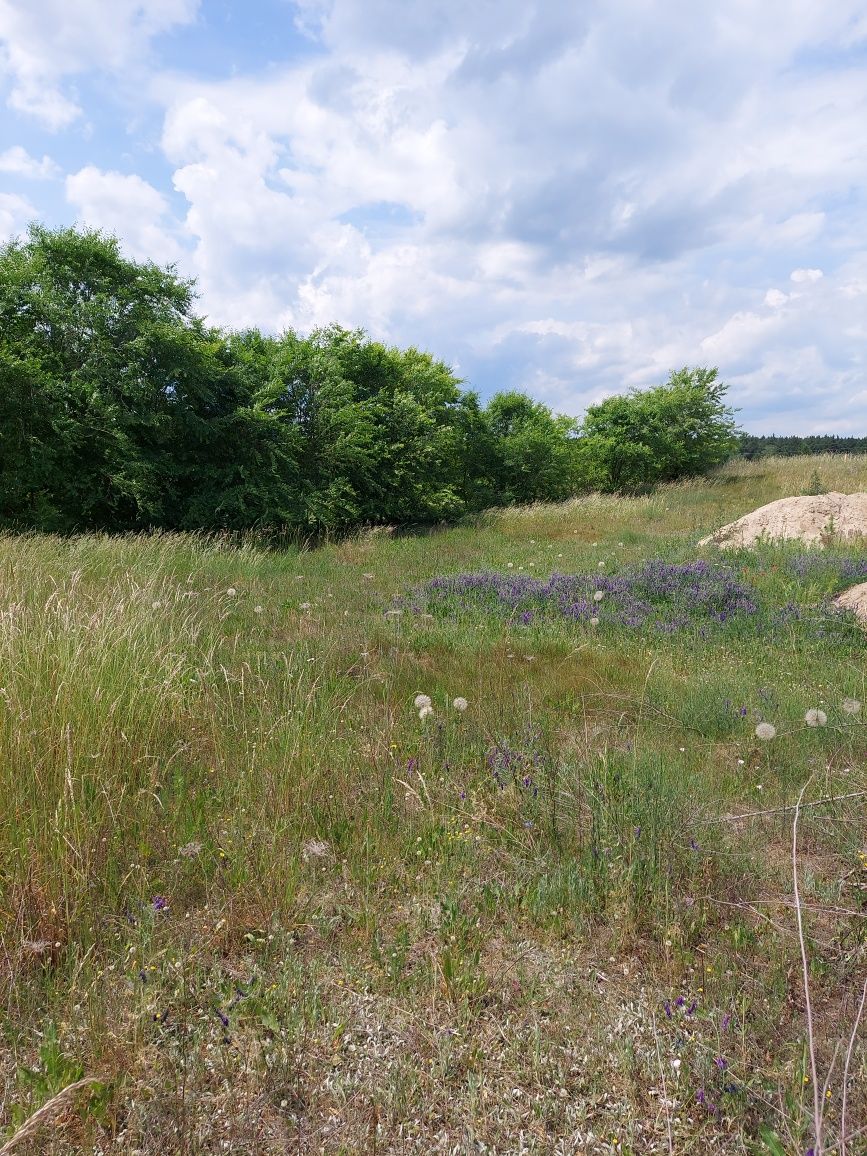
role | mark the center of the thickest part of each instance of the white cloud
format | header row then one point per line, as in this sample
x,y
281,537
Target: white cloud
x,y
806,276
15,214
44,42
18,162
130,208
571,199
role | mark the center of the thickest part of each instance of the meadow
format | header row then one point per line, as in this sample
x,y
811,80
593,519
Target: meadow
x,y
453,841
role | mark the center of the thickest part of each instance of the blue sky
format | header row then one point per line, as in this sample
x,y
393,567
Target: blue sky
x,y
566,199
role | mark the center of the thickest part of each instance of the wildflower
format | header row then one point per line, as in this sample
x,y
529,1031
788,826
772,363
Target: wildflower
x,y
257,609
680,1001
726,1021
766,731
425,712
815,717
160,903
690,1011
156,604
231,592
851,705
598,595
510,565
693,846
190,850
594,621
700,1096
740,762
460,704
303,605
721,1063
667,1008
421,700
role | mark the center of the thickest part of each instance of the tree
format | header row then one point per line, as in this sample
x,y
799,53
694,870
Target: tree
x,y
94,350
680,429
535,457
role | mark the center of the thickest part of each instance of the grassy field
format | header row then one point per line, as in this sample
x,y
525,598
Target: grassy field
x,y
271,909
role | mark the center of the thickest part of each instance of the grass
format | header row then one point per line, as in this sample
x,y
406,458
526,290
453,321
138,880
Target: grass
x,y
245,887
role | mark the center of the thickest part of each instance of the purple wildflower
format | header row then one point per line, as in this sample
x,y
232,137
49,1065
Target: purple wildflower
x,y
667,1007
721,1062
726,1021
160,903
690,1011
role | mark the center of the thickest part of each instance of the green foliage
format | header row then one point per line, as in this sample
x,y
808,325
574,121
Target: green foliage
x,y
680,429
121,410
535,451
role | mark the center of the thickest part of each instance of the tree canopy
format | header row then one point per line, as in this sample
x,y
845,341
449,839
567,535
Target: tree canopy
x,y
121,409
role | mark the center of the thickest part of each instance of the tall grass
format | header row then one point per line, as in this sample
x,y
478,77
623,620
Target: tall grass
x,y
270,908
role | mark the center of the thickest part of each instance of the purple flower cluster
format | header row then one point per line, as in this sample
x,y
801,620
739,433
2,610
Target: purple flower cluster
x,y
816,565
664,596
509,764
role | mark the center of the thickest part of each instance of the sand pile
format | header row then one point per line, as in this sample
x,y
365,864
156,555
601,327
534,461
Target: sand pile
x,y
854,599
814,519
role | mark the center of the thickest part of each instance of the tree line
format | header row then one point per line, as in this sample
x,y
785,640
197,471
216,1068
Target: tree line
x,y
761,446
121,409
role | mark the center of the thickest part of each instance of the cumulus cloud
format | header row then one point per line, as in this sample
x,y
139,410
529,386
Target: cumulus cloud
x,y
572,200
45,42
126,206
19,163
15,214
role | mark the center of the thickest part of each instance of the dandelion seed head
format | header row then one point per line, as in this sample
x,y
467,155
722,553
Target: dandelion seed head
x,y
766,731
425,712
594,621
231,592
421,700
815,717
460,704
257,609
315,849
598,595
156,604
851,705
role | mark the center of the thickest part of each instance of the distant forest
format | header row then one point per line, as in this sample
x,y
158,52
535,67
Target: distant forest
x,y
755,446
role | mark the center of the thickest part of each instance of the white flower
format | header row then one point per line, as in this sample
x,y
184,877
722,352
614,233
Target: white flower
x,y
257,609
851,705
460,704
598,595
156,604
510,565
740,762
231,592
815,717
601,565
766,731
425,712
594,621
303,605
421,700
314,849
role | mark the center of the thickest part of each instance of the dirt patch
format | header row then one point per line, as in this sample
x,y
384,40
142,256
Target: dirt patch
x,y
817,520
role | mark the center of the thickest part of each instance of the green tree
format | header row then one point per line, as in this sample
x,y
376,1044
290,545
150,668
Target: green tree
x,y
534,451
93,351
680,429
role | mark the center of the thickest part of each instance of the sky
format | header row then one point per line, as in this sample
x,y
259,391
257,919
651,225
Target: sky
x,y
570,199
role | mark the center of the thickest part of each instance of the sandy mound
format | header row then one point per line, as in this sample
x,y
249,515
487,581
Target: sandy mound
x,y
815,520
855,599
